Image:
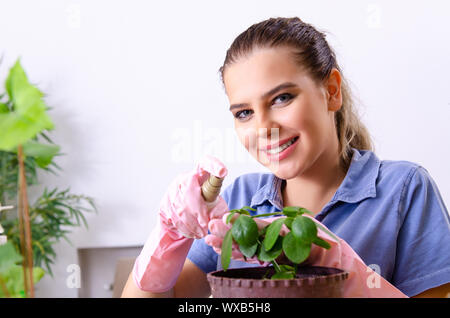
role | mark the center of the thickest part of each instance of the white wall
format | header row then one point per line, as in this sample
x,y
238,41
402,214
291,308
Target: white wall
x,y
126,79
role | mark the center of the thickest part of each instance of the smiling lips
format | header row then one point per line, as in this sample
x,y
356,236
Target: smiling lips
x,y
280,146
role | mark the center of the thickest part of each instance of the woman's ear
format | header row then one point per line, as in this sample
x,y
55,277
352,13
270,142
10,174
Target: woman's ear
x,y
333,87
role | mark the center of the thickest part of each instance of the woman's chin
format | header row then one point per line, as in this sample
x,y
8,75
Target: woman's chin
x,y
284,171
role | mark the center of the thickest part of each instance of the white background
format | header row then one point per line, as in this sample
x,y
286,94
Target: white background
x,y
132,81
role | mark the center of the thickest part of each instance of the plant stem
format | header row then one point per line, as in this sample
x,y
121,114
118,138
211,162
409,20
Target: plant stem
x,y
22,238
276,266
266,214
5,290
28,251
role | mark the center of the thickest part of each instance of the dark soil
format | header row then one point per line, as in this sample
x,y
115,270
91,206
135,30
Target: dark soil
x,y
267,272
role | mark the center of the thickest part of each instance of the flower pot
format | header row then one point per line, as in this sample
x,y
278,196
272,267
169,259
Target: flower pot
x,y
255,282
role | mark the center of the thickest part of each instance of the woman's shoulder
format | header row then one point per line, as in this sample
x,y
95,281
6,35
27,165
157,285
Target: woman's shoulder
x,y
406,173
398,168
413,184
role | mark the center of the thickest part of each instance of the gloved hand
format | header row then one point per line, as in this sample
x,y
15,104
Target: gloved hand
x,y
183,215
218,228
362,280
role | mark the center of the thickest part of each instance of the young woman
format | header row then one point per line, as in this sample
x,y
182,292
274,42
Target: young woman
x,y
293,111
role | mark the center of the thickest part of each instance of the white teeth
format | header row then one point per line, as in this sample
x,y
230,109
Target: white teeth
x,y
279,149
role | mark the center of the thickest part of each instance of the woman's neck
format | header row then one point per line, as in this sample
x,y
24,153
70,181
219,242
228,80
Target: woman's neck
x,y
316,187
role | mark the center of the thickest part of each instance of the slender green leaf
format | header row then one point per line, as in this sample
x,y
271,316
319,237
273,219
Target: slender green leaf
x,y
328,232
227,246
287,268
272,233
248,251
283,275
272,254
248,208
322,243
303,210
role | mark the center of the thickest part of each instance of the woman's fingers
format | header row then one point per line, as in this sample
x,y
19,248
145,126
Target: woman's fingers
x,y
213,241
216,243
218,228
219,209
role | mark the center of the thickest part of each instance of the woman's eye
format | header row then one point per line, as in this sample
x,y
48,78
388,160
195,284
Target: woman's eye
x,y
243,114
283,97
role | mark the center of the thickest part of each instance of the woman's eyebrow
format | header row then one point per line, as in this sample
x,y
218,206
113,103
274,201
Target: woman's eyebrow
x,y
265,95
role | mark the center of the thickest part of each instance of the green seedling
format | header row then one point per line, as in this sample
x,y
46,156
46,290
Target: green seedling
x,y
268,244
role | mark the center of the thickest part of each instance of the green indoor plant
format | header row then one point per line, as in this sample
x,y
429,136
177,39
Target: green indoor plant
x,y
285,254
36,228
11,272
268,244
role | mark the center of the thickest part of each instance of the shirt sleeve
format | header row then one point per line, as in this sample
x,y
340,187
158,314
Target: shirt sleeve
x,y
203,255
422,256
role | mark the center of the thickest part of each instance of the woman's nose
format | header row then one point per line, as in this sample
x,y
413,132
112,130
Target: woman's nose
x,y
266,127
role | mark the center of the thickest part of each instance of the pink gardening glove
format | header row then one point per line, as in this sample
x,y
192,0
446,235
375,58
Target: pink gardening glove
x,y
362,280
183,215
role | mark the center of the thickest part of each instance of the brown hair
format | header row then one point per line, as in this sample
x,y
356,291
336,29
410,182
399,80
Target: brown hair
x,y
313,53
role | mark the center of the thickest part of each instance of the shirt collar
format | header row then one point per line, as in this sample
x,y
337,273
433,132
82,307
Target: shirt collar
x,y
358,184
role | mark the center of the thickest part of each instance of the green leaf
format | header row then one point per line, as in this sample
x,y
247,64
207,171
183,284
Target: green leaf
x,y
38,273
14,281
29,111
288,222
295,250
15,131
272,233
272,254
245,230
328,232
303,210
283,275
322,243
248,251
43,153
287,268
227,245
230,216
4,108
304,229
8,257
248,208
291,211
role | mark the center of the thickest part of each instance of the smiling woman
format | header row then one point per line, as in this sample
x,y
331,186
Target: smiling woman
x,y
294,113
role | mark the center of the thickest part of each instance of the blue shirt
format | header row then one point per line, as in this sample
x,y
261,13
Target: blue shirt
x,y
390,212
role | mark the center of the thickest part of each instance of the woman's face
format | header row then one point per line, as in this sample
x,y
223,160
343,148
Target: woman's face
x,y
275,103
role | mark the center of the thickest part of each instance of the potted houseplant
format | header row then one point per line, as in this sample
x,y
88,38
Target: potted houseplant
x,y
285,276
35,228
